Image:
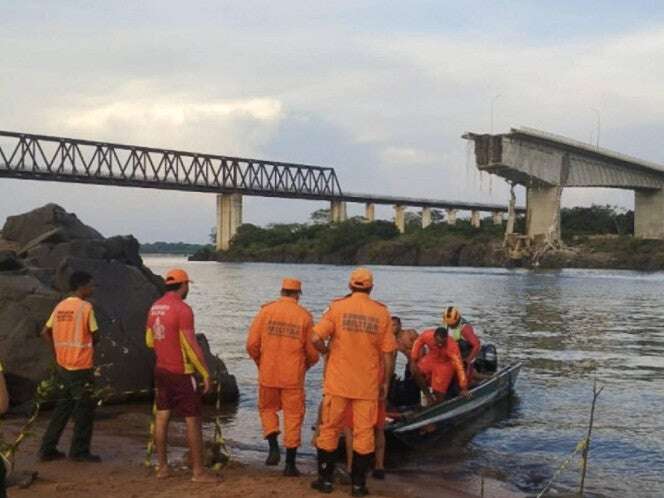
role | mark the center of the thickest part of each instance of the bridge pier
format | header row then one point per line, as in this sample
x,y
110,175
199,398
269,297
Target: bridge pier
x,y
338,212
426,217
497,218
400,218
475,219
543,212
370,212
649,214
229,218
451,216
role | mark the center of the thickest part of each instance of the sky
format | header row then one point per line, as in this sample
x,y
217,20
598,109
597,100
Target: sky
x,y
380,90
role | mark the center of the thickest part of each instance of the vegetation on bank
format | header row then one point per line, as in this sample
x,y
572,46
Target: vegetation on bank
x,y
595,237
171,248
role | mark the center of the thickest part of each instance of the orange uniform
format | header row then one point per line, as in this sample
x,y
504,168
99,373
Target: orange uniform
x,y
73,323
280,342
440,363
360,331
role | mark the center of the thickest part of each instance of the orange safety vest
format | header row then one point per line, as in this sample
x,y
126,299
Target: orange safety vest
x,y
73,323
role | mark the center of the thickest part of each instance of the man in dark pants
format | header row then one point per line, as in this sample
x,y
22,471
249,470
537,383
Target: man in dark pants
x,y
70,332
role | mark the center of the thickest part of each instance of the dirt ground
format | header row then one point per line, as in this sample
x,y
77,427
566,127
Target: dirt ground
x,y
120,437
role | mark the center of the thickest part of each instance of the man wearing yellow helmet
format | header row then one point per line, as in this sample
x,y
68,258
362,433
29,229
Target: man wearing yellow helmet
x,y
464,334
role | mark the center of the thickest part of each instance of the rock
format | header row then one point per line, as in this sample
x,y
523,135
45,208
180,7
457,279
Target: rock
x,y
26,227
9,262
33,281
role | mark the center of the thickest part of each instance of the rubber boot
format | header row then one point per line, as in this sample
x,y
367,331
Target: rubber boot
x,y
291,470
325,471
358,475
274,456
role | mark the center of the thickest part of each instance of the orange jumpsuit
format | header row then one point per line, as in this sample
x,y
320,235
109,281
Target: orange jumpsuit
x,y
439,364
280,342
360,331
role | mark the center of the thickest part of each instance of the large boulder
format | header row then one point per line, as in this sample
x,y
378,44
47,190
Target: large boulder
x,y
47,221
34,279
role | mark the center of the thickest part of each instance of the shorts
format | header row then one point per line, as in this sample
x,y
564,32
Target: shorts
x,y
177,392
380,416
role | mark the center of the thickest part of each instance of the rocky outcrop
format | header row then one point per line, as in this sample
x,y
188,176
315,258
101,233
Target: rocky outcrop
x,y
39,250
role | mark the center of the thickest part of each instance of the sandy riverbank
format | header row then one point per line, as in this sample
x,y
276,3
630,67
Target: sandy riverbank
x,y
120,440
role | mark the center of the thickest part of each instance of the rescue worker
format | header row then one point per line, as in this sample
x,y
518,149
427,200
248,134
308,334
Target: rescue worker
x,y
440,363
170,332
359,333
70,332
280,342
464,334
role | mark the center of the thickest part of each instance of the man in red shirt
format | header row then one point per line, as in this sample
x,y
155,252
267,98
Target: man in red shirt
x,y
170,332
464,335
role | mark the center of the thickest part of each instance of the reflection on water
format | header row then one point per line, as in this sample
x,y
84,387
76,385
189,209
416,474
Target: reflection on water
x,y
567,327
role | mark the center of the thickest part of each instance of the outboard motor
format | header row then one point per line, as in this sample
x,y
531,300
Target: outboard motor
x,y
487,359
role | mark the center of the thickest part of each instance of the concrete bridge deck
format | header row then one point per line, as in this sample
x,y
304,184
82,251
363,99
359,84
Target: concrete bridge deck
x,y
545,163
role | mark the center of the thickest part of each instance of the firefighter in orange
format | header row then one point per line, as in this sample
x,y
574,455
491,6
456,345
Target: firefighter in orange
x,y
71,332
439,364
280,342
360,339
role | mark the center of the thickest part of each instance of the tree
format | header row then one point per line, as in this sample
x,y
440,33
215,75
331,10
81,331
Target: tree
x,y
320,217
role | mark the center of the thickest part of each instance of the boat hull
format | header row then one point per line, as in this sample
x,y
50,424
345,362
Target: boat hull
x,y
428,423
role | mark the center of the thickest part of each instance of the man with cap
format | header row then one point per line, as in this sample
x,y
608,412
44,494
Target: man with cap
x,y
280,342
170,332
359,339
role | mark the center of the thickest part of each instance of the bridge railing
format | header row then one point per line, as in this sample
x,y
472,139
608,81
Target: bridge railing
x,y
43,157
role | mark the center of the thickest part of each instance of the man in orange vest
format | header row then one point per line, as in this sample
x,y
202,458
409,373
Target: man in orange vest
x,y
170,332
70,331
359,334
279,341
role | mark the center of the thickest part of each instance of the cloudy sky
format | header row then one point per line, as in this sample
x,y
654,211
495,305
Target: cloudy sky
x,y
382,91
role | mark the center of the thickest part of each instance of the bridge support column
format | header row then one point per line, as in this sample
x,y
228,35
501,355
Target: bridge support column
x,y
497,218
543,213
370,212
229,218
337,211
426,217
451,216
475,219
649,214
400,218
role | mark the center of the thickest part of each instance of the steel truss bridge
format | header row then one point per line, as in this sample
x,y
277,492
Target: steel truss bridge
x,y
48,158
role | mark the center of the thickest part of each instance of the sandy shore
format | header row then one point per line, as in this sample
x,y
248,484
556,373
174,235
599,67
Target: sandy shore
x,y
120,436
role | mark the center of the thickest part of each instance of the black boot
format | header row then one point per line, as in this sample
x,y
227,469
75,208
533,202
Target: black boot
x,y
325,471
358,475
273,457
291,470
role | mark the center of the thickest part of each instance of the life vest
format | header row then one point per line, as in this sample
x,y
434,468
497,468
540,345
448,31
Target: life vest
x,y
455,333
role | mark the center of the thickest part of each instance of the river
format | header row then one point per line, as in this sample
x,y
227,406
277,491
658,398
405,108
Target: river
x,y
568,327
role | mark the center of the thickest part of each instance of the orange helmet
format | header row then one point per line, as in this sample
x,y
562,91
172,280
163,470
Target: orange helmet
x,y
451,316
177,276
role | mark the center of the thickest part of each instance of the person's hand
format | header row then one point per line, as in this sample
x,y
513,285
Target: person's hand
x,y
466,394
383,390
206,385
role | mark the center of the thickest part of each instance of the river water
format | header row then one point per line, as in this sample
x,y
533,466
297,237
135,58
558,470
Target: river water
x,y
568,327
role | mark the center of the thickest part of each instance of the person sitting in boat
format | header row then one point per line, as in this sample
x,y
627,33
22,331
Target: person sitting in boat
x,y
436,359
464,335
